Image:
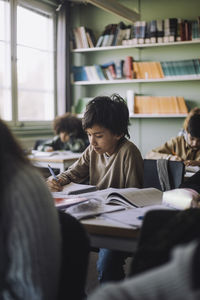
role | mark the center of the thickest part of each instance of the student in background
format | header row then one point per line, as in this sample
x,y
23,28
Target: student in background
x,y
30,242
194,111
69,135
110,160
182,148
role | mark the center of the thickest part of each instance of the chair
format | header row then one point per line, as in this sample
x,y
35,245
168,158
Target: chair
x,y
38,143
75,255
176,170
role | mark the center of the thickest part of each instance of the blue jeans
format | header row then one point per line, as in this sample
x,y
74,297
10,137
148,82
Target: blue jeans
x,y
110,265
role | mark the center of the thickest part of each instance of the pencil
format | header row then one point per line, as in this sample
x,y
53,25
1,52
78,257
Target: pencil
x,y
52,172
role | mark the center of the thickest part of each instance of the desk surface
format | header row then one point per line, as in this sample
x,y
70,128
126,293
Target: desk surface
x,y
111,235
62,160
59,157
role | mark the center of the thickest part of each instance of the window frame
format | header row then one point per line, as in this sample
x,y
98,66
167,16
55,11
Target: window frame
x,y
15,124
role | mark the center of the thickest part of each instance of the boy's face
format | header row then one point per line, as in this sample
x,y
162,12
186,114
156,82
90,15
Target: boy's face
x,y
102,139
193,142
64,136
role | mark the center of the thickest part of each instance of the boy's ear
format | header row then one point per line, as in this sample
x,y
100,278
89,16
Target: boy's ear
x,y
119,136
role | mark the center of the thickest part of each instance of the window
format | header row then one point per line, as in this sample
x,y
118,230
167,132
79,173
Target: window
x,y
27,81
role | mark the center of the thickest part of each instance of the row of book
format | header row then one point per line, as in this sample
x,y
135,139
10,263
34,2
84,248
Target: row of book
x,y
130,69
159,105
140,32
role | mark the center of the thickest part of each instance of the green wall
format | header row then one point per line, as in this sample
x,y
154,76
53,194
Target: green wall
x,y
146,133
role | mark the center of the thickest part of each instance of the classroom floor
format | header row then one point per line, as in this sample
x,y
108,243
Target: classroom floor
x,y
92,281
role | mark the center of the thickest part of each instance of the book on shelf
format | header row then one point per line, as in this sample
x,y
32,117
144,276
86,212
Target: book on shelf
x,y
89,39
160,31
83,36
159,105
147,70
79,73
140,32
119,63
128,67
153,31
77,38
81,104
119,35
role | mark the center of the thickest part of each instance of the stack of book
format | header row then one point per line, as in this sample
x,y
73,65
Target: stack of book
x,y
130,69
83,37
181,67
159,105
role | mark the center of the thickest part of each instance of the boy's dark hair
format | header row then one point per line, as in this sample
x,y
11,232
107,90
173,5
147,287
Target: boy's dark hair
x,y
70,124
109,112
194,126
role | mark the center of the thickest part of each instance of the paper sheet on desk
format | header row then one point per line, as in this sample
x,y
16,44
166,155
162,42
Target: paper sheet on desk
x,y
133,216
92,211
192,169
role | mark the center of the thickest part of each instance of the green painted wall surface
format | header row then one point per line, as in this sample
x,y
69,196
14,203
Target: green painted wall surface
x,y
146,133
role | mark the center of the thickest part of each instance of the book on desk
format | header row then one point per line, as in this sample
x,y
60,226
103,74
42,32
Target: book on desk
x,y
102,201
128,205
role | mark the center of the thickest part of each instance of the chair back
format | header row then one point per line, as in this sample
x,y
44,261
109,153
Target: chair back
x,y
75,255
176,170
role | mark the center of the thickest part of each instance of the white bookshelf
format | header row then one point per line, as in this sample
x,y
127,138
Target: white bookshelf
x,y
95,49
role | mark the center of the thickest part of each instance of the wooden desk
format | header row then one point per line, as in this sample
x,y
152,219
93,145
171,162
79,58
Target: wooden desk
x,y
57,161
111,235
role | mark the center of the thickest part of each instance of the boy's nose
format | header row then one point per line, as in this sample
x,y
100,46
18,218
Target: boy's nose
x,y
93,141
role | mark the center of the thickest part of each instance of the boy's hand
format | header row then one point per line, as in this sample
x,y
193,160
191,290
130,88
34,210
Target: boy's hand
x,y
49,149
54,185
192,163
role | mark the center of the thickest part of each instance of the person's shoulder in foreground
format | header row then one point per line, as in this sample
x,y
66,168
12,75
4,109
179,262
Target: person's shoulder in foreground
x,y
30,257
105,121
177,279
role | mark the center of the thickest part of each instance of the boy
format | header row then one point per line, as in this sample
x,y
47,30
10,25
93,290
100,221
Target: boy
x,y
182,148
109,161
69,135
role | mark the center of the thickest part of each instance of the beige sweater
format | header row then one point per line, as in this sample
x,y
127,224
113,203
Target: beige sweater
x,y
124,168
176,146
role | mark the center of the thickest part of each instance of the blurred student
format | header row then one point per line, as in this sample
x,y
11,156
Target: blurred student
x,y
194,111
177,279
30,242
184,148
110,160
69,135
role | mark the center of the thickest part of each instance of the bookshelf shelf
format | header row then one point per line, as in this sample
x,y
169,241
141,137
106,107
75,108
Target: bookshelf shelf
x,y
187,86
134,116
150,116
169,79
138,46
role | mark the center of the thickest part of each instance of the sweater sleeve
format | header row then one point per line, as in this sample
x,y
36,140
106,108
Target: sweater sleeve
x,y
79,171
133,168
163,151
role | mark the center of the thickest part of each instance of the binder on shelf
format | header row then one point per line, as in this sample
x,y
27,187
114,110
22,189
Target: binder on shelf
x,y
159,105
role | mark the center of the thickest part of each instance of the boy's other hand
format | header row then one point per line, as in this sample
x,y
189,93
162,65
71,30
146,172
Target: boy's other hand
x,y
192,163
